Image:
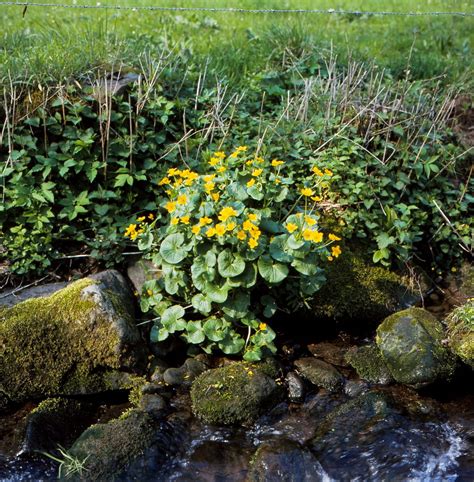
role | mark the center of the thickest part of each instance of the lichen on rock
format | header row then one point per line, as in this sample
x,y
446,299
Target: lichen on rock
x,y
233,394
411,343
72,342
369,364
460,323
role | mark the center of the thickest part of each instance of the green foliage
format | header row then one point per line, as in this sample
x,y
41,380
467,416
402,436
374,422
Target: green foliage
x,y
234,242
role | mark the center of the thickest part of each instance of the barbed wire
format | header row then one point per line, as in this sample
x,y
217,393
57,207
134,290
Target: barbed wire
x,y
329,11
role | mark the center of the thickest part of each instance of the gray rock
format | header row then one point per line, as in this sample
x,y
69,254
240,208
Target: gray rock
x,y
152,403
12,297
320,373
329,352
175,376
411,343
140,271
295,386
354,388
285,461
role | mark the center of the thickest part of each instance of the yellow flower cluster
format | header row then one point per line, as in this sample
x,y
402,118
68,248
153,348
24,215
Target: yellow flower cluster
x,y
133,230
177,177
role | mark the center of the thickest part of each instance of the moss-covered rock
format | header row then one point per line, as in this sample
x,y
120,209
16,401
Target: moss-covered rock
x,y
72,342
136,444
233,394
411,343
320,373
357,290
369,364
460,324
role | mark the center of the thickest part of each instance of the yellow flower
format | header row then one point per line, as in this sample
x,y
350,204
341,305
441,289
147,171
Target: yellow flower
x,y
277,180
210,232
149,292
185,219
196,229
333,237
204,221
151,216
215,196
310,221
220,229
231,226
209,186
257,172
249,162
226,213
170,206
221,169
178,182
130,230
276,163
260,160
317,237
262,326
248,225
209,177
164,181
182,199
336,251
291,227
174,221
317,171
219,155
140,219
214,161
241,235
135,234
253,217
253,243
308,235
316,198
330,258
241,148
255,233
251,183
306,191
328,172
173,171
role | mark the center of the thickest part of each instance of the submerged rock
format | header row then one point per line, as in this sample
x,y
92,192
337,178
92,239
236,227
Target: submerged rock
x,y
369,364
358,290
233,394
320,373
411,343
460,325
285,460
75,341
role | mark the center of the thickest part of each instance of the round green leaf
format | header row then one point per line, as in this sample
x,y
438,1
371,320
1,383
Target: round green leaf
x,y
247,279
272,272
202,303
216,293
171,314
278,249
237,305
307,266
158,334
172,250
230,264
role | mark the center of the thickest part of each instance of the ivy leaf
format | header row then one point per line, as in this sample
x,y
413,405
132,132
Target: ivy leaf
x,y
270,305
237,306
245,280
215,329
384,240
194,332
232,345
230,264
158,334
202,303
171,319
255,193
253,354
216,293
172,250
272,272
145,241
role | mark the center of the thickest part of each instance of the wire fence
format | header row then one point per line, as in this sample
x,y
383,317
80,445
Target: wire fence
x,y
329,11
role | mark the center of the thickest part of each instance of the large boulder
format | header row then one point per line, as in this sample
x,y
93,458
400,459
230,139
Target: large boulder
x,y
411,343
460,323
369,364
75,341
234,394
358,290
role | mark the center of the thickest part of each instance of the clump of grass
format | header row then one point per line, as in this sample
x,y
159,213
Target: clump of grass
x,y
68,464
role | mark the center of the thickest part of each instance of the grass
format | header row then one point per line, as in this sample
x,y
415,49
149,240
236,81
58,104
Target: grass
x,y
53,44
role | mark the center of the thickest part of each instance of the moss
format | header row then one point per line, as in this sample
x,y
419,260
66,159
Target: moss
x,y
411,343
358,290
48,349
369,364
460,324
234,394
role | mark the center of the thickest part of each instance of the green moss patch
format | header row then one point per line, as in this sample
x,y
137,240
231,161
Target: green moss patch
x,y
369,364
461,332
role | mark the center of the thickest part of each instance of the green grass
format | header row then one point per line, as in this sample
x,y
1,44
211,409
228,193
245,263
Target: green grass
x,y
52,44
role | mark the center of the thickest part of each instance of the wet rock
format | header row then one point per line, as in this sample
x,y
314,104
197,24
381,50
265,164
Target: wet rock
x,y
133,447
329,352
185,374
358,290
140,271
411,343
55,421
174,376
320,373
460,330
75,341
295,386
194,368
287,461
369,364
233,394
152,403
354,388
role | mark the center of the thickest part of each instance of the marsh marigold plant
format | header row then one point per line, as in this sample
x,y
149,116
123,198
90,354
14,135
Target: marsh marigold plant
x,y
235,238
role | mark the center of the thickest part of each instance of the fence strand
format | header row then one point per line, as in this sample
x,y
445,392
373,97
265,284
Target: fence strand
x,y
330,11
